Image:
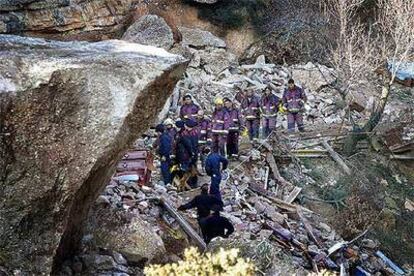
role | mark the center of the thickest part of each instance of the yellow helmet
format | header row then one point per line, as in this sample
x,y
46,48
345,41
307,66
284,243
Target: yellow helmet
x,y
218,101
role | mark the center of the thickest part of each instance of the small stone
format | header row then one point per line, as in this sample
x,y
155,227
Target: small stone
x,y
313,248
104,200
265,234
369,244
122,268
119,259
325,227
104,262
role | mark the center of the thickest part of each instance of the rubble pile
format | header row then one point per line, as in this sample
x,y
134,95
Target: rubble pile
x,y
259,216
258,201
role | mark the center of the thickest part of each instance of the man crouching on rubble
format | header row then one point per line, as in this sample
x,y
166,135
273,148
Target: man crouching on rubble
x,y
215,225
203,202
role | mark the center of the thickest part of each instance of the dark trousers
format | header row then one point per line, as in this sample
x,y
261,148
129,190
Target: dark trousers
x,y
233,143
165,171
253,127
215,186
295,119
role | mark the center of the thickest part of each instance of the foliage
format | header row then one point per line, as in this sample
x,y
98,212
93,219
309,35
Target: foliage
x,y
224,262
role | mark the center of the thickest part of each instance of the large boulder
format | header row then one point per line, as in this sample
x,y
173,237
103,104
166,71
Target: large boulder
x,y
313,76
133,238
65,19
200,39
67,112
150,30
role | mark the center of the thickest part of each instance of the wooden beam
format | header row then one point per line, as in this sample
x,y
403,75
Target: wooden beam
x,y
337,158
293,195
184,224
308,227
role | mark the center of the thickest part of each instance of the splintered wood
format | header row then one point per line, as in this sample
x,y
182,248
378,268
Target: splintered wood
x,y
184,224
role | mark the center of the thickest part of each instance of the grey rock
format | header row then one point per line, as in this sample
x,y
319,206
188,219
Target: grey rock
x,y
79,105
104,262
200,38
150,30
119,258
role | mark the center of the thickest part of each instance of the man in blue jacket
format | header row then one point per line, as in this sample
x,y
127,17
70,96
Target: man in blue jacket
x,y
164,151
215,163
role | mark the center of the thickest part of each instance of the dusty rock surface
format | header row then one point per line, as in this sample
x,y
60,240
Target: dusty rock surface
x,y
65,19
150,30
67,112
200,38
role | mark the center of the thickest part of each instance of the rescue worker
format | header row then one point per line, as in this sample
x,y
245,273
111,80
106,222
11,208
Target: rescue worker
x,y
204,135
170,129
269,104
250,105
236,123
183,148
164,151
189,109
215,164
219,127
215,225
190,133
203,202
294,99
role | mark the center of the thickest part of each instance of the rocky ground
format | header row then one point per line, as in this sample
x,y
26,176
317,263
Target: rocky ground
x,y
294,209
282,238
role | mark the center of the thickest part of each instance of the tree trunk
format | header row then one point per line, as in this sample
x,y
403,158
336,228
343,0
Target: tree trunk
x,y
359,134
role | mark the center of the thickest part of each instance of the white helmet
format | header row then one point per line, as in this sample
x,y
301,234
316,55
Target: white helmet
x,y
168,121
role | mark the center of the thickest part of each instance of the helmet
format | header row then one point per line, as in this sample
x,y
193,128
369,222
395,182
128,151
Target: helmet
x,y
168,121
218,101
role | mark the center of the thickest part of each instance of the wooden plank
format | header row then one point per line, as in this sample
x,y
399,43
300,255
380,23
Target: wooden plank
x,y
308,227
184,224
293,195
266,178
337,158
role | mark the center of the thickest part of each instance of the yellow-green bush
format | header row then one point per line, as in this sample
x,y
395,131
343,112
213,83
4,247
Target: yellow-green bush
x,y
224,263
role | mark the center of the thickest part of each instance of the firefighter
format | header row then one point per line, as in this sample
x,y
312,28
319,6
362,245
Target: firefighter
x,y
219,127
235,125
189,109
294,99
250,105
215,225
269,104
183,149
204,135
190,133
164,151
170,129
215,164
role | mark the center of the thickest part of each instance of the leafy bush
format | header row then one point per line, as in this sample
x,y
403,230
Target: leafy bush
x,y
224,262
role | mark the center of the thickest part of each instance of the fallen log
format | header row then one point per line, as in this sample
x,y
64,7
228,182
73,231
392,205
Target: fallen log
x,y
184,224
337,158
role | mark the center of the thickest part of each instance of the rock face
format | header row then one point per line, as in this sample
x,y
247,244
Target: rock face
x,y
206,1
150,30
67,111
200,39
65,19
314,76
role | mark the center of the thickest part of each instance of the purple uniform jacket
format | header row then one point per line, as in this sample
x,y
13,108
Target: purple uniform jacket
x,y
250,107
269,105
293,99
204,131
189,111
220,121
236,119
